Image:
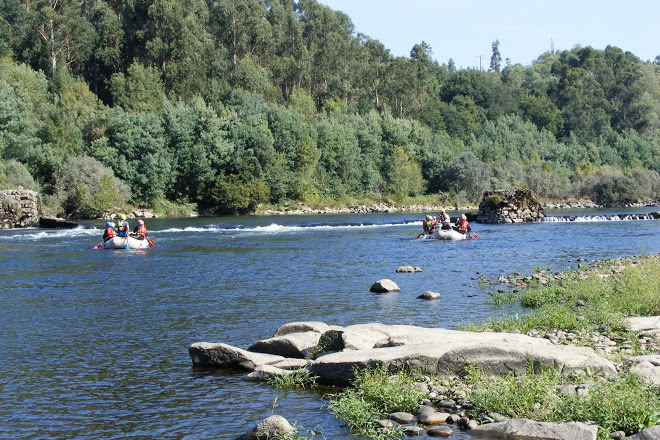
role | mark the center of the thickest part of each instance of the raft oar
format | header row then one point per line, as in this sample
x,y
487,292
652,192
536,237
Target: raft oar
x,y
128,246
98,246
151,242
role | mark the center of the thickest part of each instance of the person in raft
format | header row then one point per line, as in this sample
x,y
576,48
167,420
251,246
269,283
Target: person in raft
x,y
122,227
445,220
109,231
462,225
429,224
140,230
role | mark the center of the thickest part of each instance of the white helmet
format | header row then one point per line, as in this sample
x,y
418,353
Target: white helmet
x,y
463,217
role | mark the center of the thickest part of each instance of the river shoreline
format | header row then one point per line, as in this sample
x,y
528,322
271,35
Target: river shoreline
x,y
301,209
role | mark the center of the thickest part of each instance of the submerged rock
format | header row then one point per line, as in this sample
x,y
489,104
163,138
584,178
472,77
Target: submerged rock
x,y
271,427
384,286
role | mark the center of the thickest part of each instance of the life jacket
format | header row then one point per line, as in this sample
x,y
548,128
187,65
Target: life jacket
x,y
142,231
429,226
464,226
108,233
122,228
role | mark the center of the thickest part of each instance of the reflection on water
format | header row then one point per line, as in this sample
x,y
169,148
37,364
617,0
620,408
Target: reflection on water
x,y
94,342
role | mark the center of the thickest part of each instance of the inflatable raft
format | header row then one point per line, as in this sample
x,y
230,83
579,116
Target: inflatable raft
x,y
122,242
444,234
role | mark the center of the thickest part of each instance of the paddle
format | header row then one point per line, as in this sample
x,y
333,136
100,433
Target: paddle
x,y
151,242
128,246
98,246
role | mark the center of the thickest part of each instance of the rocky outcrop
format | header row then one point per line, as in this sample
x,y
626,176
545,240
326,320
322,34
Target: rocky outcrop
x,y
509,206
441,351
56,223
433,350
19,208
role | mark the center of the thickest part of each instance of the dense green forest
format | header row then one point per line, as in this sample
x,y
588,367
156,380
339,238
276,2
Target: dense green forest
x,y
228,104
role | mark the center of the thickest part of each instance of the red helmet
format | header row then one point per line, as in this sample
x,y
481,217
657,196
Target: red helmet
x,y
140,222
463,217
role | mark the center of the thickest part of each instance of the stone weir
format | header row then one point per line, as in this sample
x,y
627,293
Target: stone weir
x,y
20,208
601,218
509,206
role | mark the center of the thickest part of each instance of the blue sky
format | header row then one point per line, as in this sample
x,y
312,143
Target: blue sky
x,y
465,29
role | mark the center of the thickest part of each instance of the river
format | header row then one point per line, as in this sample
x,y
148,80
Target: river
x,y
94,343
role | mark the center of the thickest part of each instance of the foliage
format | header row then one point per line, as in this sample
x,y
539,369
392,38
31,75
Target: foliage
x,y
376,392
300,378
14,174
240,193
622,404
86,188
633,291
174,98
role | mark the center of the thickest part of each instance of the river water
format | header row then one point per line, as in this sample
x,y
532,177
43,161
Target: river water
x,y
94,343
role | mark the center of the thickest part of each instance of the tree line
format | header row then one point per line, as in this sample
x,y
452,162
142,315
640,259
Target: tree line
x,y
228,104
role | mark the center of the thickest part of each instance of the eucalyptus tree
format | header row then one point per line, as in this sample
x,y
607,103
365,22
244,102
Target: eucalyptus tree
x,y
495,58
56,34
287,57
580,95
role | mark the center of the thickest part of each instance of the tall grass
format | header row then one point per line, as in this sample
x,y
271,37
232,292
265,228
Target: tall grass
x,y
634,291
623,404
375,393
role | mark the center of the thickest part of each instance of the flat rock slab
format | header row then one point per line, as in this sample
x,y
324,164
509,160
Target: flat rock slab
x,y
644,323
302,327
210,354
439,351
523,429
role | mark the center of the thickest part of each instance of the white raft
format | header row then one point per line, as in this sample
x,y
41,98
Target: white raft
x,y
120,243
444,234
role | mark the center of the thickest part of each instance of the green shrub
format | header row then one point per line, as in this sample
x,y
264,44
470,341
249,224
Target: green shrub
x,y
376,392
88,189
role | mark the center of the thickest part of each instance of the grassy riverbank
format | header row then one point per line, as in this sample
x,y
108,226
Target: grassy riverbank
x,y
583,303
600,297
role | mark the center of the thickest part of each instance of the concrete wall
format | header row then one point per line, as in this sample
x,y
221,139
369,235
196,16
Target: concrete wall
x,y
19,208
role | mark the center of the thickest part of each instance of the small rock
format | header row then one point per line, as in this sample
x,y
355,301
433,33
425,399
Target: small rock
x,y
580,303
270,427
387,424
454,418
440,431
429,295
405,269
402,417
434,418
384,286
617,435
414,431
